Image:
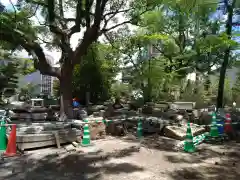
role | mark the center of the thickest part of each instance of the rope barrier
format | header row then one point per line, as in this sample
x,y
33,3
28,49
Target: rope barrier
x,y
7,125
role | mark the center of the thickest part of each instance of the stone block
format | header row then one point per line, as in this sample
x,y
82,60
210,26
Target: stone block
x,y
97,130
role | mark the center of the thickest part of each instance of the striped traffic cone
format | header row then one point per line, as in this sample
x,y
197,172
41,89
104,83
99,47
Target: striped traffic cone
x,y
214,129
86,135
139,129
188,144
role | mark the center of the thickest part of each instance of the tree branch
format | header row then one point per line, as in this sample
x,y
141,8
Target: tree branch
x,y
65,40
41,3
51,19
92,33
34,49
99,10
89,4
42,64
78,19
90,36
104,30
15,11
117,12
113,14
64,24
34,13
115,26
68,19
43,41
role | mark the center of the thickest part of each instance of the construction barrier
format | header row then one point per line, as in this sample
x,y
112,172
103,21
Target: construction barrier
x,y
198,139
86,134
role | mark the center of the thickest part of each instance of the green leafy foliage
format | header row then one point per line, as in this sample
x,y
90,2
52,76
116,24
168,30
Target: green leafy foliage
x,y
55,29
236,90
10,68
56,89
28,91
95,74
25,65
174,38
8,78
120,90
184,40
17,27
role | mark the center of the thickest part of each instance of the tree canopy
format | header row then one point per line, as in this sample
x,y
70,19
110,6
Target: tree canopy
x,y
169,41
92,18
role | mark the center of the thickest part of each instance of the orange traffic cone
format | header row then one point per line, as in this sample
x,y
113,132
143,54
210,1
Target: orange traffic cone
x,y
11,146
228,124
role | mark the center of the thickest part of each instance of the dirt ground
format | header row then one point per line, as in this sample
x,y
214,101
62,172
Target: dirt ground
x,y
126,158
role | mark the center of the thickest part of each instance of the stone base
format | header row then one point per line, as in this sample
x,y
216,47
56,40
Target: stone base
x,y
89,150
43,139
179,132
97,130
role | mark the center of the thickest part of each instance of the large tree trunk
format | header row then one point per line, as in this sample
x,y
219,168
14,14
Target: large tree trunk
x,y
197,83
66,110
222,80
208,81
226,56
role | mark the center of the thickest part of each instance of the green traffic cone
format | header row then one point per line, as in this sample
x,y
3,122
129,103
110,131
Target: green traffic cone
x,y
86,135
139,130
188,144
3,139
214,128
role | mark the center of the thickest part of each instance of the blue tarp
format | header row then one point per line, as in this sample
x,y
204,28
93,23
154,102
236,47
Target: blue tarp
x,y
76,104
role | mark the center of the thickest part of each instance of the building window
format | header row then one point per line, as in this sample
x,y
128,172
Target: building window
x,y
46,84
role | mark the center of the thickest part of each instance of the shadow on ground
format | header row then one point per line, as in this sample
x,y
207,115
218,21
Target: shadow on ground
x,y
216,163
65,166
154,141
206,173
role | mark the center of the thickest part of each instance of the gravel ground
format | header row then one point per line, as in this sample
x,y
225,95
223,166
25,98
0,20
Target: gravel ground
x,y
126,158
